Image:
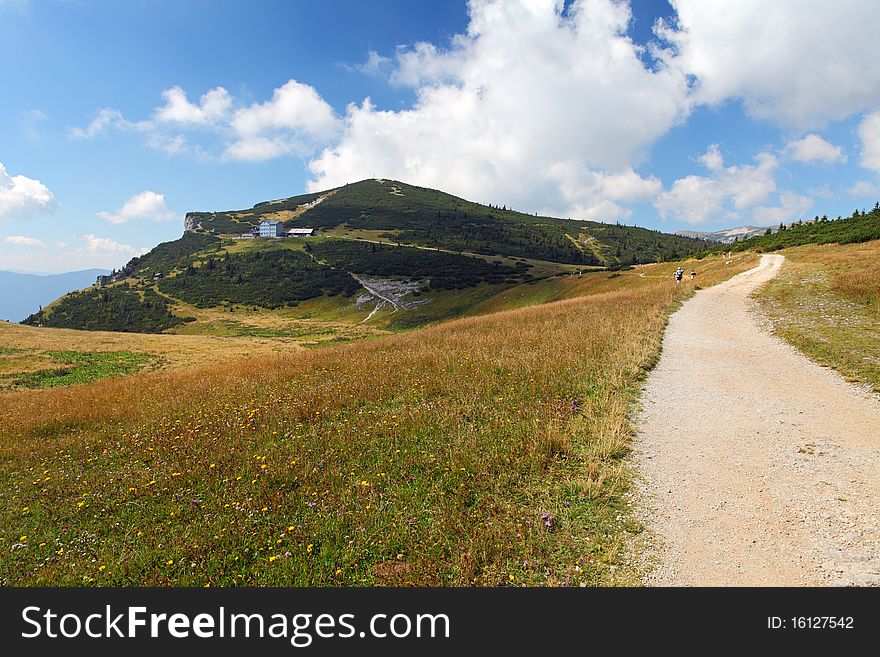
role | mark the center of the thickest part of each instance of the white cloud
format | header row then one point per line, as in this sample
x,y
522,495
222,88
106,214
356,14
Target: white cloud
x,y
106,118
99,246
869,134
30,122
822,191
722,194
813,148
21,240
791,207
295,121
596,195
21,196
532,99
712,158
864,189
213,107
801,62
290,122
146,205
375,64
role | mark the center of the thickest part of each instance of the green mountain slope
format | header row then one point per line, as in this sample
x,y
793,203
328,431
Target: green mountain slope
x,y
859,227
383,252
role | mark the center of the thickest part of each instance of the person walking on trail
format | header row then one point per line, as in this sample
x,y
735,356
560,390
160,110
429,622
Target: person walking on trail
x,y
679,273
693,274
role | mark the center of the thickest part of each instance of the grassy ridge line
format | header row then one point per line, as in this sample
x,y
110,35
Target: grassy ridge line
x,y
826,302
427,458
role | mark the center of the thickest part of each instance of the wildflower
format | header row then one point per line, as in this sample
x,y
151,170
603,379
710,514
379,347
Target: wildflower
x,y
309,548
170,562
102,568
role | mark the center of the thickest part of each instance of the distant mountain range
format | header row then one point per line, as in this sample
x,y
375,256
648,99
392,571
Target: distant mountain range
x,y
22,294
727,235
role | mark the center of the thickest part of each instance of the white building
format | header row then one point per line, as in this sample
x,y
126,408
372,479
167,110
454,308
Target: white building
x,y
271,228
300,232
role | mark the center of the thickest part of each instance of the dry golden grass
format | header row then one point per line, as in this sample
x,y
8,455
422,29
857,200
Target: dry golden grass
x,y
175,351
826,302
482,451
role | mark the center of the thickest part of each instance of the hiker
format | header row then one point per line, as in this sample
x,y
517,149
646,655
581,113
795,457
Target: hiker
x,y
679,273
693,274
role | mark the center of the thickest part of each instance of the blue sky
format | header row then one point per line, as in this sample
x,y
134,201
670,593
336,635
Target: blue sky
x,y
119,117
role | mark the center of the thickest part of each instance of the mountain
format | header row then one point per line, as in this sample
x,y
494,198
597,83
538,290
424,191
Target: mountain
x,y
22,293
726,236
421,255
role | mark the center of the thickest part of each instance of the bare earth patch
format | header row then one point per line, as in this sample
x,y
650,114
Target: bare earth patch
x,y
759,466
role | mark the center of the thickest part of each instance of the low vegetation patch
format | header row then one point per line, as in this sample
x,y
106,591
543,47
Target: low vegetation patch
x,y
268,279
76,367
444,270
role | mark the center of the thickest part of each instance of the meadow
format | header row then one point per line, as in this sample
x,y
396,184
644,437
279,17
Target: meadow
x,y
477,452
826,302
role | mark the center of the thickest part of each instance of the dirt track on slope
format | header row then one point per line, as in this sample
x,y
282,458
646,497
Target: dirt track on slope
x,y
759,467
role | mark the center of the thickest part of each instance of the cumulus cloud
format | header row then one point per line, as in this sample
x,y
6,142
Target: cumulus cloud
x,y
95,245
813,148
290,122
212,108
869,135
555,100
723,193
791,207
596,195
296,120
146,205
21,240
21,196
864,189
800,62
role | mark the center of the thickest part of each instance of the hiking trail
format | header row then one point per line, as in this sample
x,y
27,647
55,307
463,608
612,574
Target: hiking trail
x,y
758,467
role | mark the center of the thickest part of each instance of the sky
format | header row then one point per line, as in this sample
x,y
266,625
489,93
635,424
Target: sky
x,y
117,118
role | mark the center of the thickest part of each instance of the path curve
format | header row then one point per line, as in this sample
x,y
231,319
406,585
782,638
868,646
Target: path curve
x,y
758,466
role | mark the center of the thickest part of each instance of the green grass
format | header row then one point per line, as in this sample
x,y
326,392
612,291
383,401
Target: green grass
x,y
77,367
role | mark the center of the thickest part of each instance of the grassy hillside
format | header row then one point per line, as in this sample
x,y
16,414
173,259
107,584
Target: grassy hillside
x,y
484,451
826,302
420,240
417,215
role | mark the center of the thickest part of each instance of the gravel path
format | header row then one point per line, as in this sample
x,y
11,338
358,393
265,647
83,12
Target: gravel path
x,y
759,467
